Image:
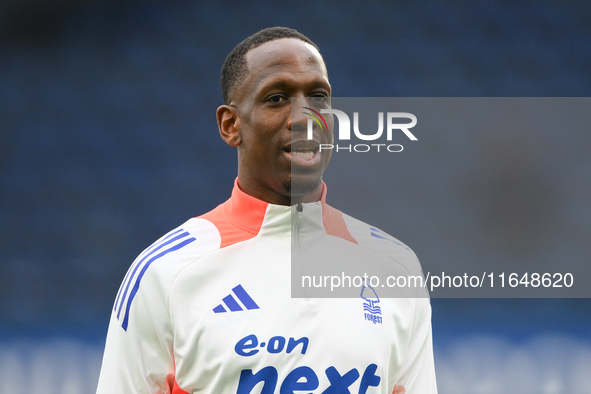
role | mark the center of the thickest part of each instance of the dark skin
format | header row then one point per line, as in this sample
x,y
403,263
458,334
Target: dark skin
x,y
260,124
276,161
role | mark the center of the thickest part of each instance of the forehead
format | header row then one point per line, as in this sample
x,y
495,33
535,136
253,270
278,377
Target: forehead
x,y
283,58
280,51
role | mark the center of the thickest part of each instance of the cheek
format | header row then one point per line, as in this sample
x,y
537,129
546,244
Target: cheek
x,y
264,132
327,157
268,131
258,140
330,132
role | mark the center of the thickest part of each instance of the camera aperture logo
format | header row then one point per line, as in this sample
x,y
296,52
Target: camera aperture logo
x,y
392,126
314,116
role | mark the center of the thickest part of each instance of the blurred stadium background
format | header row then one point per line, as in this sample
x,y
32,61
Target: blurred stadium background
x,y
108,139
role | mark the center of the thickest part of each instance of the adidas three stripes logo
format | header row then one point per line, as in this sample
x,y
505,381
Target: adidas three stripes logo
x,y
234,306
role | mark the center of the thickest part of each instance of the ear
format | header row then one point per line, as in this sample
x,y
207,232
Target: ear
x,y
229,125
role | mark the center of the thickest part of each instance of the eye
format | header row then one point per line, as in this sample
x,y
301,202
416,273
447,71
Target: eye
x,y
276,98
320,99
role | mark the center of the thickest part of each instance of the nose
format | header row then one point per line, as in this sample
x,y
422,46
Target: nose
x,y
298,120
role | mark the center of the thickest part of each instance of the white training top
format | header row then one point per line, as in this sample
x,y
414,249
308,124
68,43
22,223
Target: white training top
x,y
208,309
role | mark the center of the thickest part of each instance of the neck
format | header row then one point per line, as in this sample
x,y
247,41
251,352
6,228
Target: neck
x,y
310,197
285,197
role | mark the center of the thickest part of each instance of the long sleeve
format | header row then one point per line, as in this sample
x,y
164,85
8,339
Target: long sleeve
x,y
138,353
418,373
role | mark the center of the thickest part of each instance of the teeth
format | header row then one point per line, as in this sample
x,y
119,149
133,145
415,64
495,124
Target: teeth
x,y
305,154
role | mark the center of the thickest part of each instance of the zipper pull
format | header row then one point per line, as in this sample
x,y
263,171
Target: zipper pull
x,y
300,207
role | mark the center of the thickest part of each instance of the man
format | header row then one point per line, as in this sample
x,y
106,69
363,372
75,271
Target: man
x,y
207,308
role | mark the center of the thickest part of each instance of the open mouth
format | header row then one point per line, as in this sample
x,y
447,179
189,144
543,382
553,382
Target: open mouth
x,y
303,154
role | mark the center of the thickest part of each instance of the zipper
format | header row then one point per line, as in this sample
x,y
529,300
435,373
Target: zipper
x,y
296,240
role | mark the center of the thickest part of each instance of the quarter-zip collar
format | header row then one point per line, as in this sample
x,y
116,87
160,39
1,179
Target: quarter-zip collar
x,y
252,215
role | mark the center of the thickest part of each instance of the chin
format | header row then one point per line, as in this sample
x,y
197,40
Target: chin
x,y
300,187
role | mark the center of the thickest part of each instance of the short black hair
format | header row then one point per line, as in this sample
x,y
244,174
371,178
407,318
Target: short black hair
x,y
234,70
